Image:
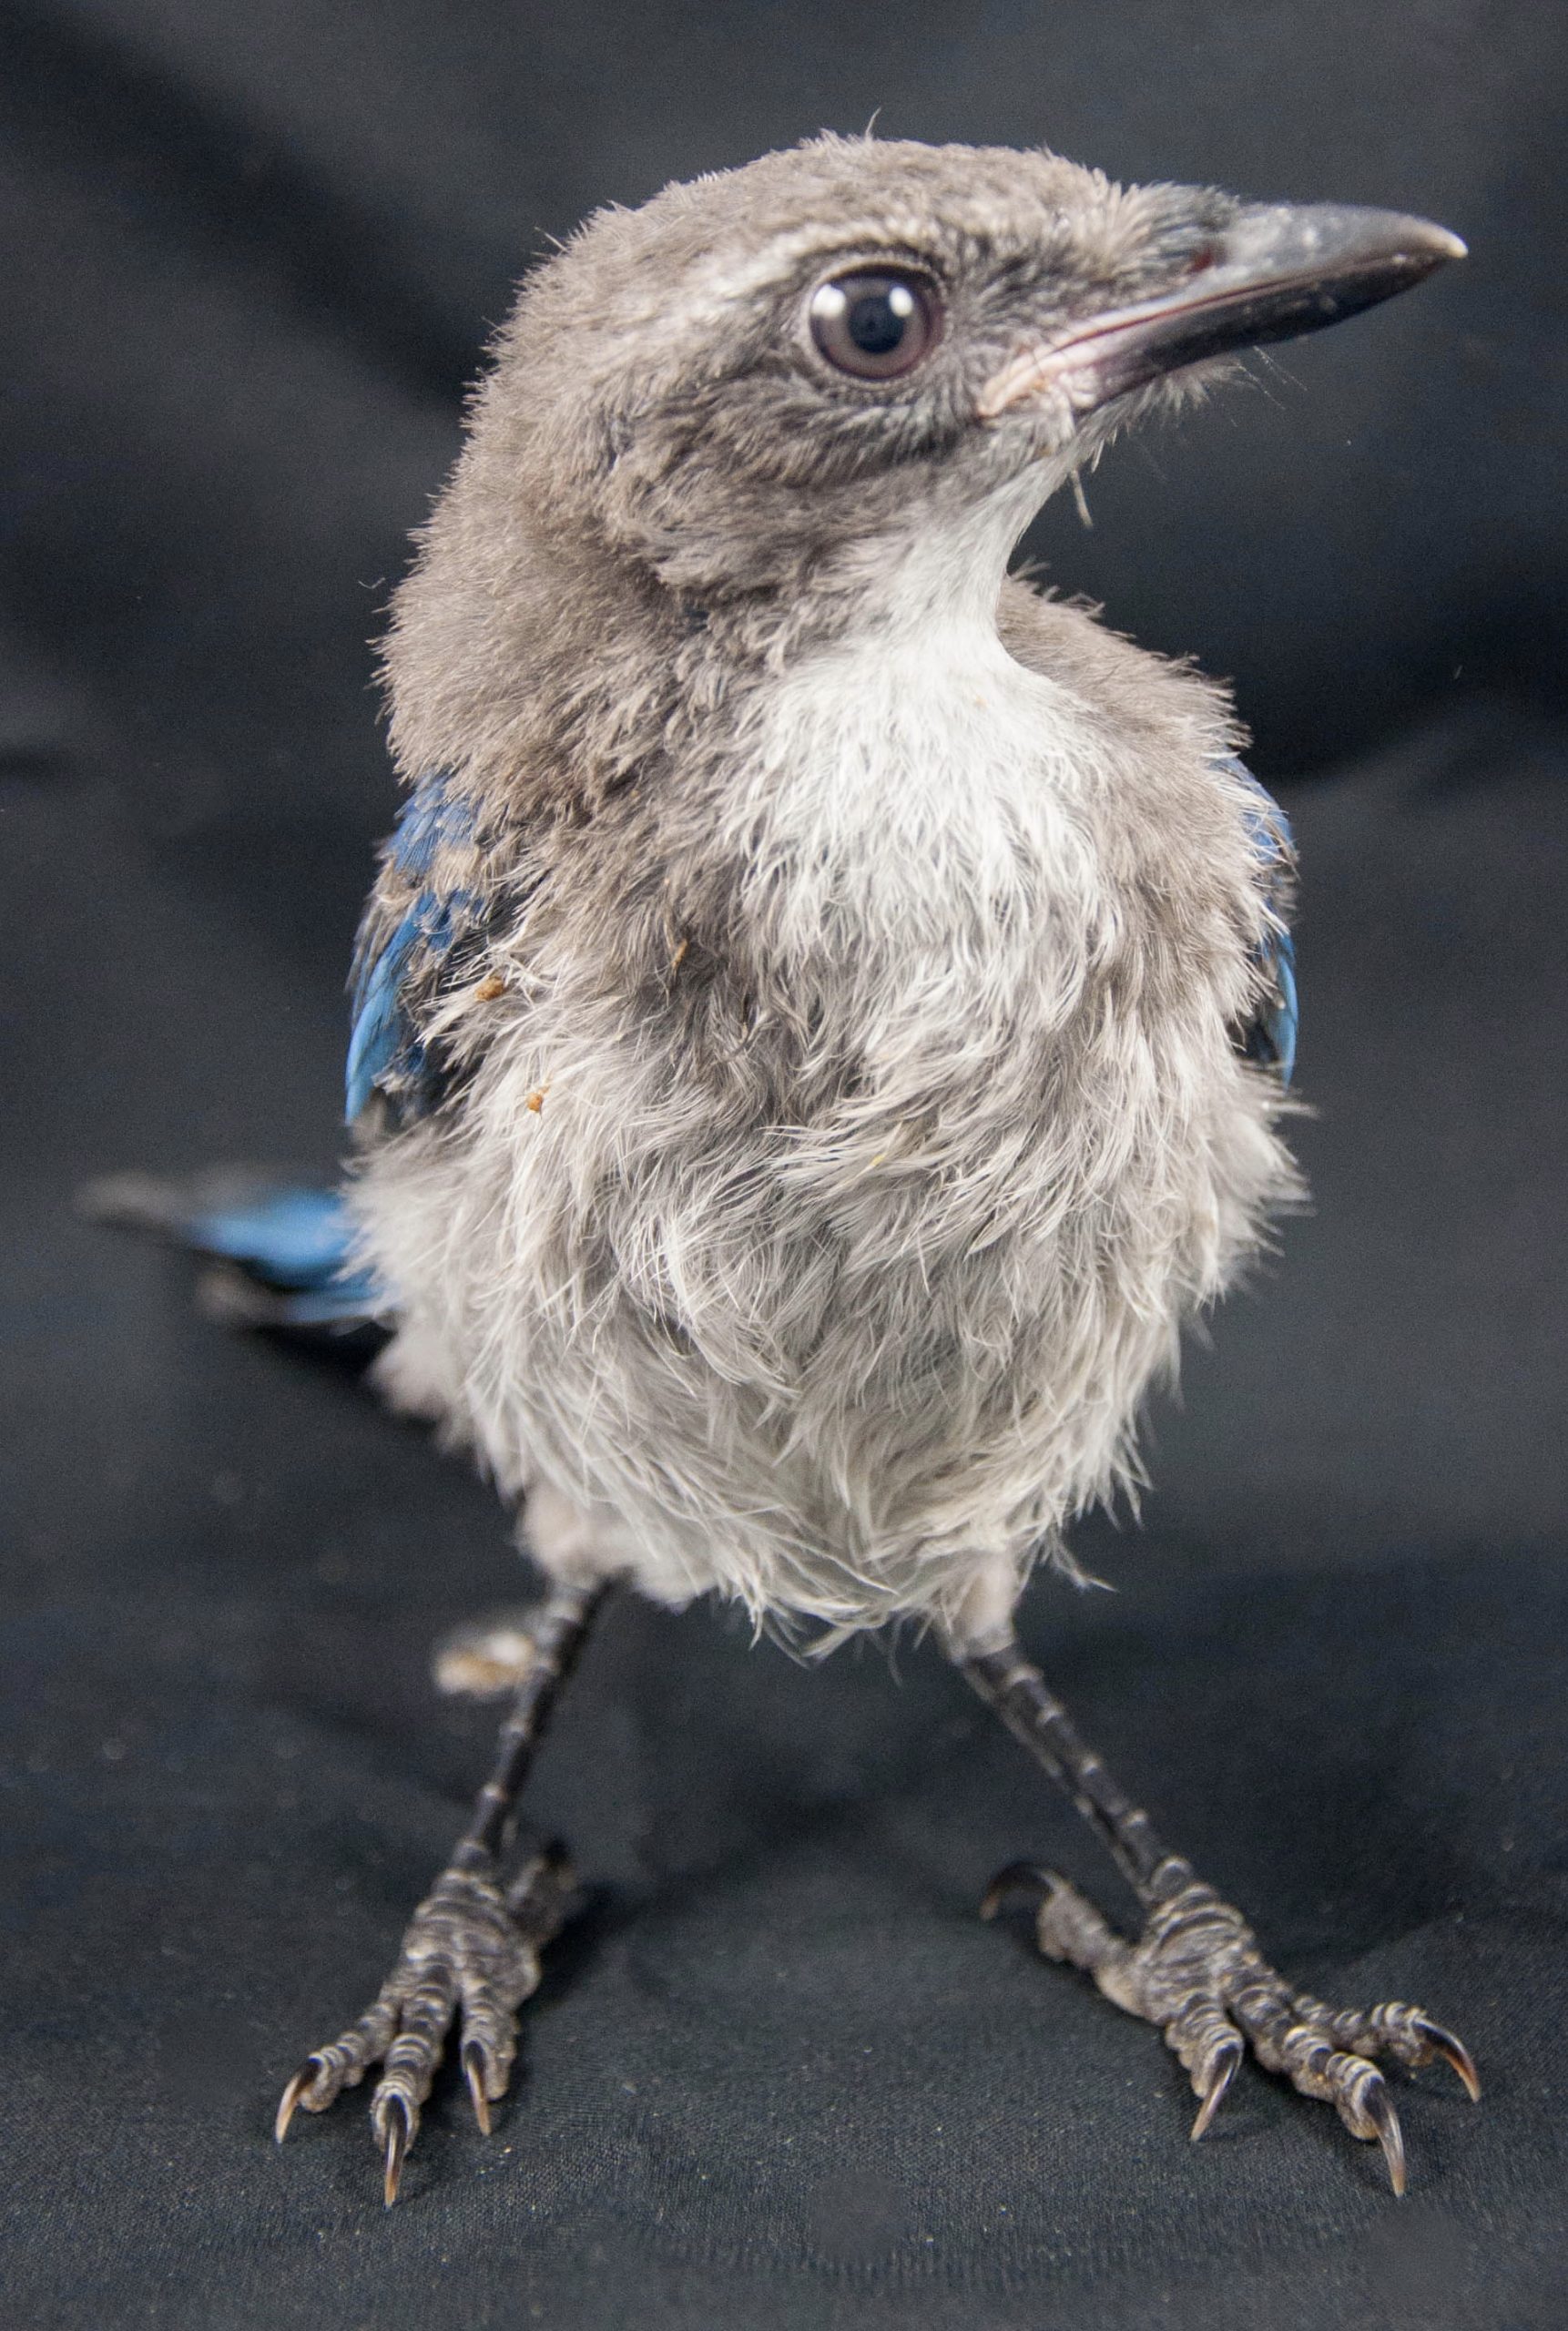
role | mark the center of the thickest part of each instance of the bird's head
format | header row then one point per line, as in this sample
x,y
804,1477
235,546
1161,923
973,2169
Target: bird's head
x,y
797,367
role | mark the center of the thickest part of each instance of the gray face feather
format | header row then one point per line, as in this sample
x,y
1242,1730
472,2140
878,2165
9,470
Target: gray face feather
x,y
847,1112
675,400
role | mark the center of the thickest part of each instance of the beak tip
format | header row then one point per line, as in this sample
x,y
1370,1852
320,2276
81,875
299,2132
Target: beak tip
x,y
1430,245
1278,270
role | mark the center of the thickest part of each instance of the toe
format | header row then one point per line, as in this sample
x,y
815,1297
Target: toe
x,y
1440,2042
477,2074
1379,2107
1407,2035
1209,2047
1359,2094
491,1995
1212,2093
409,2064
396,2125
293,2095
327,2071
1026,1877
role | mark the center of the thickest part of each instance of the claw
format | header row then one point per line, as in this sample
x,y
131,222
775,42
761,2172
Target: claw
x,y
1215,2094
290,2097
399,2135
1019,1876
1380,2107
473,2074
1452,2051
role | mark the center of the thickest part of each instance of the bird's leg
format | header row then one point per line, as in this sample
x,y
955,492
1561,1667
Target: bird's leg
x,y
474,1943
1197,1970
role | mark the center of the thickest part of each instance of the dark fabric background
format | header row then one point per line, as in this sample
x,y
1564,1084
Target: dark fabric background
x,y
781,2078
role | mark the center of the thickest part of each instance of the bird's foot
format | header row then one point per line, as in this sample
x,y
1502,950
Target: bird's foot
x,y
1197,1973
473,1945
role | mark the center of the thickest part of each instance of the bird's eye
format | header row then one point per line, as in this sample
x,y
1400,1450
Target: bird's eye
x,y
876,323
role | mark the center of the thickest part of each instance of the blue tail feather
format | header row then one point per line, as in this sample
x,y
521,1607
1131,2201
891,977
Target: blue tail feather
x,y
281,1254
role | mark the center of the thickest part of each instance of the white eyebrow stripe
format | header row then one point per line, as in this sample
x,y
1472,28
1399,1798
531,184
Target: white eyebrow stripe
x,y
780,263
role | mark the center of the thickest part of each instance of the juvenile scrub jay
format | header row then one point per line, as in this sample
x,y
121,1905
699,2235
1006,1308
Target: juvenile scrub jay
x,y
822,1022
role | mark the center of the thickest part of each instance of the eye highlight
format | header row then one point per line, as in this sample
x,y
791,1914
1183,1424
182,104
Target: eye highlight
x,y
876,322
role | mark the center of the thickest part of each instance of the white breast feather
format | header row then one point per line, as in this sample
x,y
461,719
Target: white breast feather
x,y
867,1361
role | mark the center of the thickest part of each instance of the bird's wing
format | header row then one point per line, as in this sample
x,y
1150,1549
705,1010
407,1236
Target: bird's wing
x,y
422,938
1268,1035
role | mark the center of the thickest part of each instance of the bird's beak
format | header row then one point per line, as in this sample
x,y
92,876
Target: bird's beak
x,y
1277,271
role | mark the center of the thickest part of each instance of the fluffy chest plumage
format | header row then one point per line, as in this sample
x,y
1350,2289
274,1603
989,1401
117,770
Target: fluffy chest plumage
x,y
892,804
873,1301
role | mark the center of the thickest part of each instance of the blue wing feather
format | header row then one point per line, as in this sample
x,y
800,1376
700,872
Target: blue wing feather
x,y
376,1031
1271,1037
431,819
385,1051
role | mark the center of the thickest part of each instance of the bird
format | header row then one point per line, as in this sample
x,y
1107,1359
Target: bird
x,y
822,1023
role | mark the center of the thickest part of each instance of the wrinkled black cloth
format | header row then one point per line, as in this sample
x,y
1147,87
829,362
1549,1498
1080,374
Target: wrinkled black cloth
x,y
779,2076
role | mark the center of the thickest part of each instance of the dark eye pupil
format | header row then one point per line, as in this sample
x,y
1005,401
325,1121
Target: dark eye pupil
x,y
876,323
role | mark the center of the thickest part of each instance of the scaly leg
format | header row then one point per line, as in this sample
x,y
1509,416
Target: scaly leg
x,y
472,1944
1197,1970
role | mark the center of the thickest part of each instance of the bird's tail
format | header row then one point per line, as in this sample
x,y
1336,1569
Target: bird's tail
x,y
273,1252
